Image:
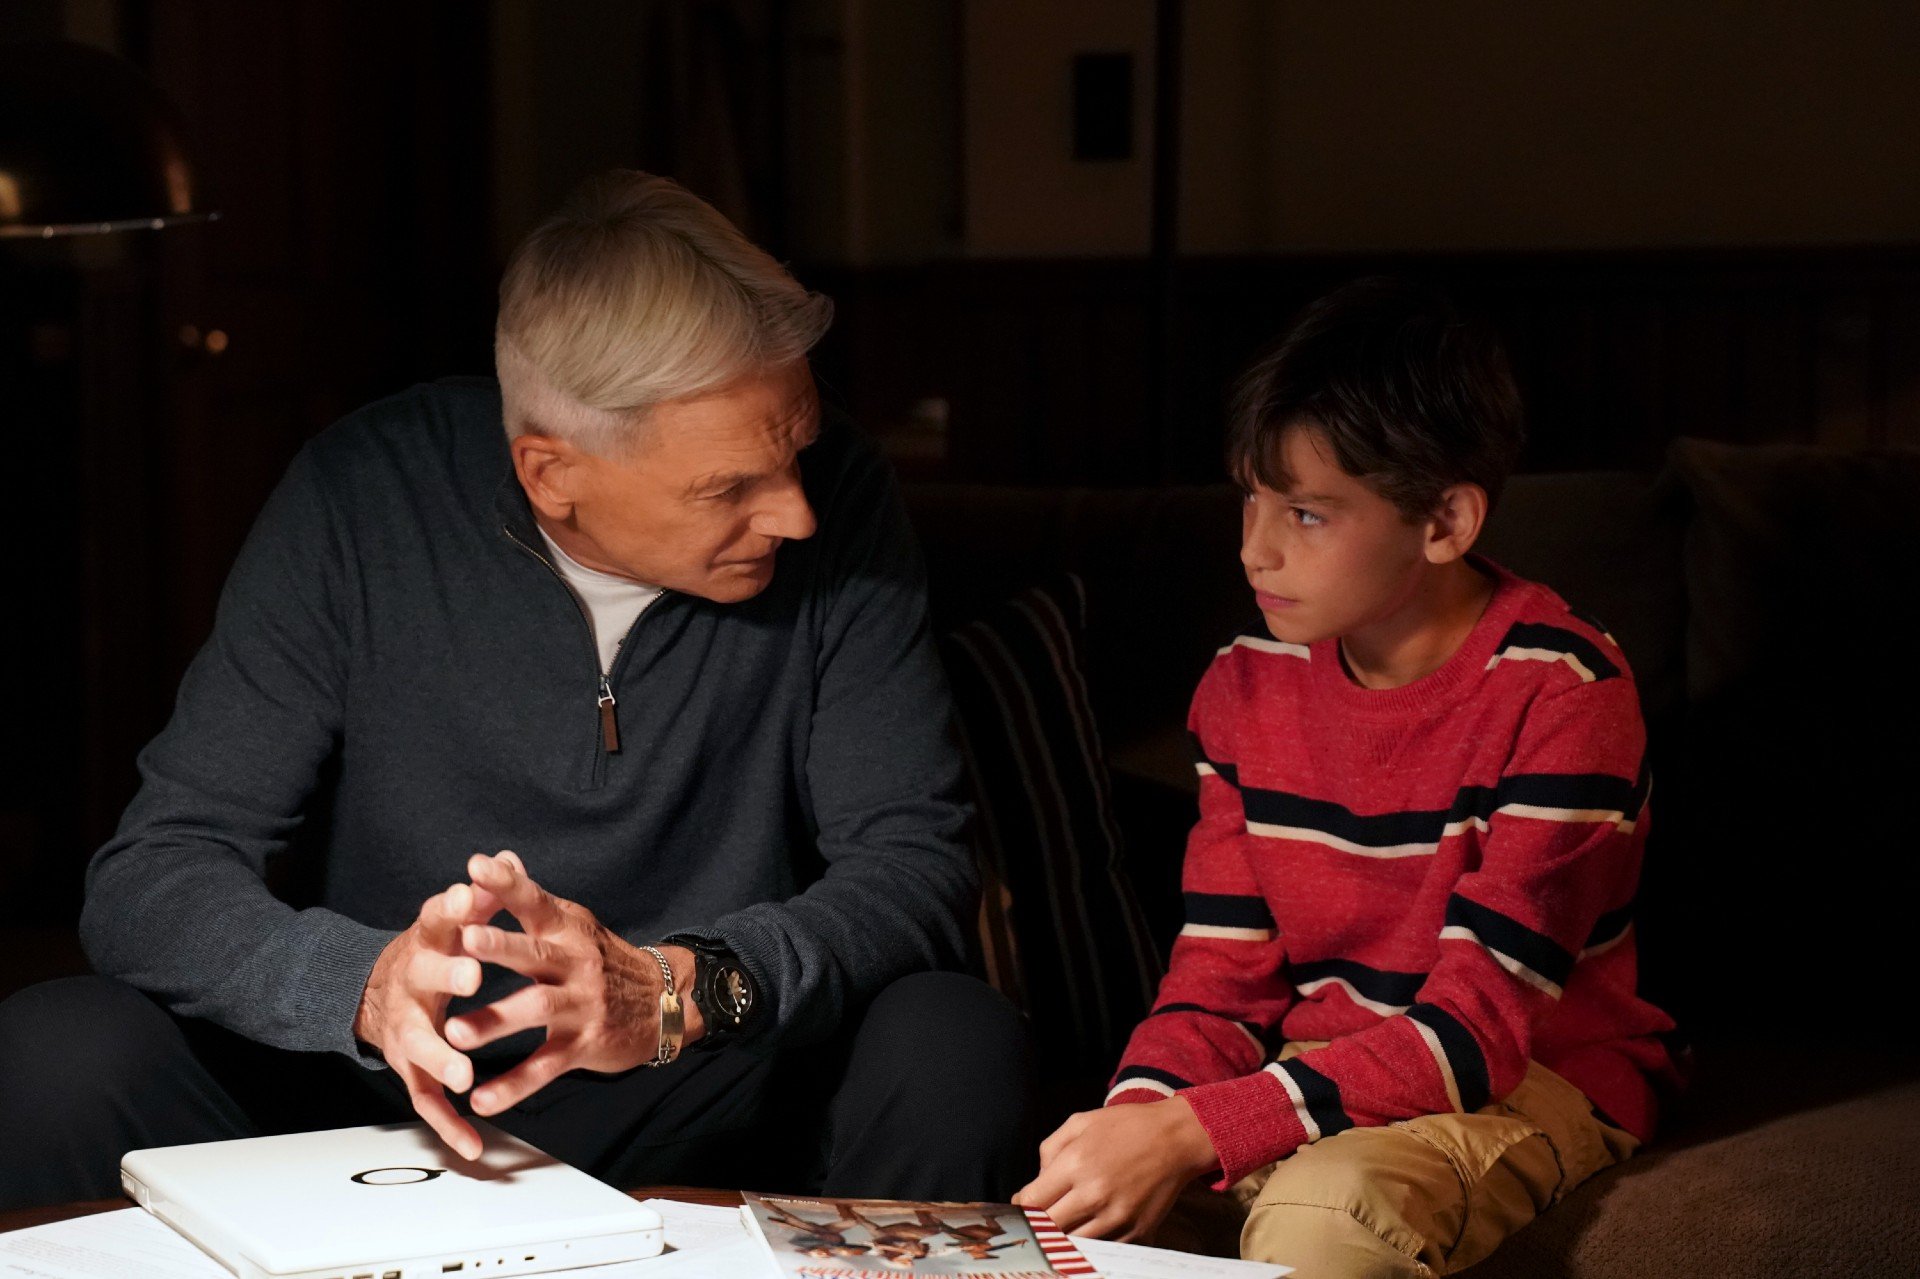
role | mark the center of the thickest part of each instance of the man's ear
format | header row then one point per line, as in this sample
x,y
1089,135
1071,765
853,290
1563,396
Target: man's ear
x,y
1455,524
549,470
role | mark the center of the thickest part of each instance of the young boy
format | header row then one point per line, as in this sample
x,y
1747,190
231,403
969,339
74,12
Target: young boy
x,y
1422,810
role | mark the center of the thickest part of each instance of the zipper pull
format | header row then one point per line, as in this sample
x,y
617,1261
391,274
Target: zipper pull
x,y
609,726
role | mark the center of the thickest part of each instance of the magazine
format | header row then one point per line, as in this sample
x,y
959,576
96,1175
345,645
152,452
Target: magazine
x,y
891,1238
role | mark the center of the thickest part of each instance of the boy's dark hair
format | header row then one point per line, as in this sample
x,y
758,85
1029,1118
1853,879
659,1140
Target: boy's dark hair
x,y
1412,396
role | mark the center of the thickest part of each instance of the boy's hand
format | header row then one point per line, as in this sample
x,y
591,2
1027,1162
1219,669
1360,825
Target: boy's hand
x,y
1113,1173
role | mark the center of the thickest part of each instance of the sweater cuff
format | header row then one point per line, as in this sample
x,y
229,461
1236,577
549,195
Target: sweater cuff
x,y
1132,1094
336,977
1250,1122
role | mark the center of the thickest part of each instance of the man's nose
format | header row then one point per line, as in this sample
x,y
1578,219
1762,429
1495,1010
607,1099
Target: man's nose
x,y
787,514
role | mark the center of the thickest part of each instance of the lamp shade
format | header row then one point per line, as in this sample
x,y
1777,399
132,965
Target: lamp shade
x,y
87,145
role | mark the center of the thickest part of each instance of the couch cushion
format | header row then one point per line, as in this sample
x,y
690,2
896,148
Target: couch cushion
x,y
1789,545
1161,566
1790,1163
1800,735
1061,928
1608,543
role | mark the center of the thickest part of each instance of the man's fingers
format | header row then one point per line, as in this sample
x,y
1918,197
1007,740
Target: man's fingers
x,y
432,1106
525,1008
421,1045
442,914
436,927
432,972
544,1065
530,956
485,905
532,905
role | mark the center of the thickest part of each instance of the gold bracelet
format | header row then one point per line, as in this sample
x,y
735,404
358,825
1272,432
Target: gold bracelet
x,y
673,1024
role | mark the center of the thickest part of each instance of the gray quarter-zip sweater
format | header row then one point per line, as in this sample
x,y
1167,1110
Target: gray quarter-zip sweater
x,y
398,678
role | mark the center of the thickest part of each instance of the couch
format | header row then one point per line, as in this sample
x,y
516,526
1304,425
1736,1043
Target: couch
x,y
1757,593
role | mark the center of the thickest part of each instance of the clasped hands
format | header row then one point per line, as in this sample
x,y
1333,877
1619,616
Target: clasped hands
x,y
597,995
1106,1173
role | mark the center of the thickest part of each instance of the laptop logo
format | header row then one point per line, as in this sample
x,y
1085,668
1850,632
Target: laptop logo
x,y
396,1176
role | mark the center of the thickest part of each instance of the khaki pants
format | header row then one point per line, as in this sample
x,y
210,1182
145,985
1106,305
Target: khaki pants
x,y
1421,1197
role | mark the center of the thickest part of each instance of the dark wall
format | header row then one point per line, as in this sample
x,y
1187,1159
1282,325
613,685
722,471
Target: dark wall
x,y
164,379
1045,365
369,160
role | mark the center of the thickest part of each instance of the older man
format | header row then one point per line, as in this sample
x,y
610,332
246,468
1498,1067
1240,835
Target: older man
x,y
639,615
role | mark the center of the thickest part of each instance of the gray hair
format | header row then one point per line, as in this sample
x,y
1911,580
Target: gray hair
x,y
635,293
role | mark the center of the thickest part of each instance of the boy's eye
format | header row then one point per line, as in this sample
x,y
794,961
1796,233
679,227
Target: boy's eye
x,y
1308,519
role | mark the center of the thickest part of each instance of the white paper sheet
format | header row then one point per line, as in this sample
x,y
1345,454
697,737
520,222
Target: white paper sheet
x,y
709,1242
132,1241
1131,1261
107,1245
712,1243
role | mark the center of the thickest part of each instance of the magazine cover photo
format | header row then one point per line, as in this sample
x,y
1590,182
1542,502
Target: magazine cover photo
x,y
851,1237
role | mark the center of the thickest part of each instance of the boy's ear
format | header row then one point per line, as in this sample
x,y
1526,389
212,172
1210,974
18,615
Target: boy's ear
x,y
1455,524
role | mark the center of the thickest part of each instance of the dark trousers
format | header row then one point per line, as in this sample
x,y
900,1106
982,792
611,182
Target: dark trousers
x,y
926,1094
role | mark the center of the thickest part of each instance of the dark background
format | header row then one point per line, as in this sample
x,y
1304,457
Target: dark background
x,y
1054,231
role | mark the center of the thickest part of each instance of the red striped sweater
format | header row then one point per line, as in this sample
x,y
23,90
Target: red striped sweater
x,y
1438,879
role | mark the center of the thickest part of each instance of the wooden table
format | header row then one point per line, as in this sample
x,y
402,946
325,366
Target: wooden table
x,y
21,1218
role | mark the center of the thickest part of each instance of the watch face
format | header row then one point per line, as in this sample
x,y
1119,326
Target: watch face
x,y
734,992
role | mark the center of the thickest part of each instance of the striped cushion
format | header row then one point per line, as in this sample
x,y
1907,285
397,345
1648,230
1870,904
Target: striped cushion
x,y
1062,933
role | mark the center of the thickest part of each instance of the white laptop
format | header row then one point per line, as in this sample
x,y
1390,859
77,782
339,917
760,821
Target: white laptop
x,y
387,1202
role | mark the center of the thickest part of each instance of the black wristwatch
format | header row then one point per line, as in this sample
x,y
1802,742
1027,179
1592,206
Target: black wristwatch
x,y
723,989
